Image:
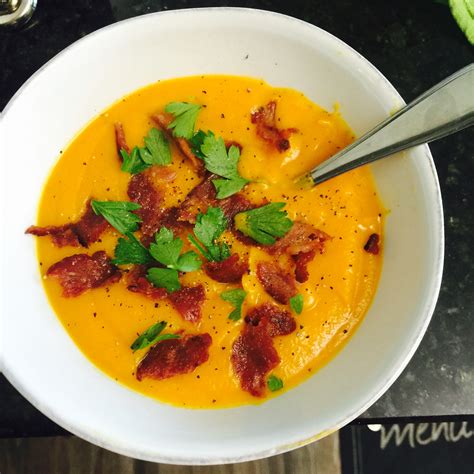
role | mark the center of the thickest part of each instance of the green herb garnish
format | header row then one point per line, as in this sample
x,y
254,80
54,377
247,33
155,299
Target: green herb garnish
x,y
166,248
296,303
185,115
118,214
131,250
218,161
164,278
227,187
167,251
265,223
235,298
151,336
156,150
133,163
274,383
208,228
197,140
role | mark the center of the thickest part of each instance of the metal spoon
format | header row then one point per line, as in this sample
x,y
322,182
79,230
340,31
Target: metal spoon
x,y
16,12
444,109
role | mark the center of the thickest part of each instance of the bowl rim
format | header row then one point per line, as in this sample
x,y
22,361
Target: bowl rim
x,y
432,289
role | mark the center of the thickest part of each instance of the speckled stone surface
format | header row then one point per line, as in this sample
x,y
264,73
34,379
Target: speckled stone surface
x,y
415,44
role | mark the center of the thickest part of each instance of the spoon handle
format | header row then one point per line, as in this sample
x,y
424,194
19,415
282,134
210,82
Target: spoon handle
x,y
444,109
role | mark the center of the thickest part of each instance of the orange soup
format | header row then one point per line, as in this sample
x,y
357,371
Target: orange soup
x,y
259,282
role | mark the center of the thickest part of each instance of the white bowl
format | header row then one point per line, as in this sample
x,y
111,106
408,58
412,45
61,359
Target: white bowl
x,y
41,360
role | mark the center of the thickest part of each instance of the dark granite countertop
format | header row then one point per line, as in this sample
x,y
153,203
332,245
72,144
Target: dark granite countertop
x,y
415,44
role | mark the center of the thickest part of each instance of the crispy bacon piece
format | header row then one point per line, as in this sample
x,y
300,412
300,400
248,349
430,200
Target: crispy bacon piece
x,y
372,245
188,302
138,283
170,219
120,139
272,319
163,121
90,227
175,356
60,235
198,200
231,270
204,195
302,243
302,260
264,118
253,354
253,357
84,232
301,237
233,205
81,272
142,191
276,282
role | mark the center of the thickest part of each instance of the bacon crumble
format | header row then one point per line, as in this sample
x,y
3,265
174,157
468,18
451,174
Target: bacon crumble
x,y
230,270
84,232
142,191
204,195
265,120
272,319
163,121
120,139
138,283
253,354
302,242
279,284
372,245
234,204
188,302
253,357
302,237
175,356
81,272
302,259
198,200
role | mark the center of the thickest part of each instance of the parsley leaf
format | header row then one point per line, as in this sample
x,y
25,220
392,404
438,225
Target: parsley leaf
x,y
227,187
274,383
152,335
221,162
264,223
118,214
156,150
166,250
202,249
197,140
188,262
208,228
185,115
296,303
235,298
133,163
216,158
131,250
164,278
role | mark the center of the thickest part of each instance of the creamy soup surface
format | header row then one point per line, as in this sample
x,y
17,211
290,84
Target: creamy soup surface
x,y
341,276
